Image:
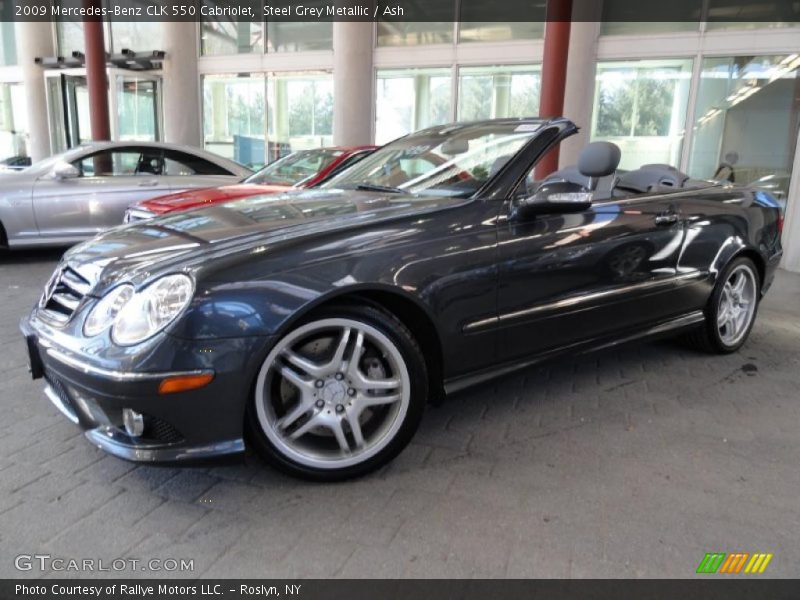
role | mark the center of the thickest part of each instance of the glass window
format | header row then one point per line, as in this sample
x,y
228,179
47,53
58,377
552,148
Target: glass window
x,y
254,118
722,25
646,27
139,36
122,163
70,37
411,99
499,32
181,163
231,37
496,92
641,107
13,126
8,48
289,36
300,112
234,123
746,121
663,17
478,23
398,33
758,14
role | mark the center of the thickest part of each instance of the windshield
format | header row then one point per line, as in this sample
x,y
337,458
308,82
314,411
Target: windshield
x,y
295,168
453,160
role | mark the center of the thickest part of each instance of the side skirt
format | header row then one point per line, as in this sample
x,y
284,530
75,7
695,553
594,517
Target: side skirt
x,y
659,329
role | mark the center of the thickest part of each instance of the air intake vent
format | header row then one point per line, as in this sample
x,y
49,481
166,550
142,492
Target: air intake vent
x,y
63,294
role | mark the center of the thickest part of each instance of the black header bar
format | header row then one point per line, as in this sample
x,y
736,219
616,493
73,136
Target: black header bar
x,y
773,11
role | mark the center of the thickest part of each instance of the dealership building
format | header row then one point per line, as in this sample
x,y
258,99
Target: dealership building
x,y
695,94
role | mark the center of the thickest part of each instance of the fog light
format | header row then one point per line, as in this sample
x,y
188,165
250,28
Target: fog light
x,y
134,422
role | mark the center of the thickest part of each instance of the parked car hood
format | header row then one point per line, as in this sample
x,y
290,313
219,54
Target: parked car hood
x,y
200,197
202,239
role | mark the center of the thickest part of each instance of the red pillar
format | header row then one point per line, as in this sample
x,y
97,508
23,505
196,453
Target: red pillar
x,y
554,71
96,78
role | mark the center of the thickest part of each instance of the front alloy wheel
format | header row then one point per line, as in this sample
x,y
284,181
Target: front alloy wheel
x,y
339,395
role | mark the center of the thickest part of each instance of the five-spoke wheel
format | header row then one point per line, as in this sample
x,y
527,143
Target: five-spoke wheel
x,y
737,304
333,396
731,310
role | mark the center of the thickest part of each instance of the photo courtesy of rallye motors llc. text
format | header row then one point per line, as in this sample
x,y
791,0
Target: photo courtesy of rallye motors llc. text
x,y
139,590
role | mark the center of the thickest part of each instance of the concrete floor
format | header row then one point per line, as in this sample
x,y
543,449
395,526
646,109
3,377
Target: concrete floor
x,y
628,463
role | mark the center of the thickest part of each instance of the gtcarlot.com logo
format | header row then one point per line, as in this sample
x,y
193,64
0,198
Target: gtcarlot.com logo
x,y
46,562
734,563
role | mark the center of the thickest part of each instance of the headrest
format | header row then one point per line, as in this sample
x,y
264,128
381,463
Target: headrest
x,y
599,159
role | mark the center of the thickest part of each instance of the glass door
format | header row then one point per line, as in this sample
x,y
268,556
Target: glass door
x,y
68,109
76,104
134,107
13,127
137,110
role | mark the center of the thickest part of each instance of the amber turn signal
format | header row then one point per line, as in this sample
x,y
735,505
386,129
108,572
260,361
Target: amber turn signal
x,y
184,383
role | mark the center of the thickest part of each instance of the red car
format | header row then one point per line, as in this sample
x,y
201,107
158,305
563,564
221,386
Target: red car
x,y
301,169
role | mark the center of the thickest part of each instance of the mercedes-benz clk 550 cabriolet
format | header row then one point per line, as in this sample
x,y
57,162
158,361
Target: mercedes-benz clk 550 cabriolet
x,y
317,325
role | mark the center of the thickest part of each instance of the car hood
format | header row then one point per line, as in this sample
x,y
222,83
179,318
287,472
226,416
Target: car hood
x,y
203,239
201,197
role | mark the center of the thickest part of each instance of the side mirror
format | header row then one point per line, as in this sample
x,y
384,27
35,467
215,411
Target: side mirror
x,y
555,198
65,170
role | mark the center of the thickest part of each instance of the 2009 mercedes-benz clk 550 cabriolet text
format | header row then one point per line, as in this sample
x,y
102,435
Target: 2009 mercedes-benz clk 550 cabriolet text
x,y
317,325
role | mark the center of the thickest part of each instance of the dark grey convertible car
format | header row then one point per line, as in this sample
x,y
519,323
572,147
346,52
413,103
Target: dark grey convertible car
x,y
317,325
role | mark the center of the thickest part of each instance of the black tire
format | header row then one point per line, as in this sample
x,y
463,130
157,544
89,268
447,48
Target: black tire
x,y
707,338
414,360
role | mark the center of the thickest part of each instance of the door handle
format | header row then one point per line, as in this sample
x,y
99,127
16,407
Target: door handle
x,y
669,218
149,183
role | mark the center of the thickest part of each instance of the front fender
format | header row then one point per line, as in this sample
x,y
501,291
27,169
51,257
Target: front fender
x,y
271,306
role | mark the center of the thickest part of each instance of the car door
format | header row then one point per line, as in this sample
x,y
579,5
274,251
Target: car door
x,y
109,181
186,171
568,278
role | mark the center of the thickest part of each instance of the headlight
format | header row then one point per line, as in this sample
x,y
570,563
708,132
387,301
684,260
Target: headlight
x,y
106,311
152,309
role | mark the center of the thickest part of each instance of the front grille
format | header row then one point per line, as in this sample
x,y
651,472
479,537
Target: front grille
x,y
160,430
63,294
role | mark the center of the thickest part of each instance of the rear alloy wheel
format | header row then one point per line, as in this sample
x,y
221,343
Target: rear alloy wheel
x,y
731,311
339,395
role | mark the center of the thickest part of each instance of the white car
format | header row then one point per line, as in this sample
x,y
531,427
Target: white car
x,y
73,196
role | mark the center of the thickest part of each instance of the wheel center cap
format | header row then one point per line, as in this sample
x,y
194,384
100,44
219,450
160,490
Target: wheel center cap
x,y
334,392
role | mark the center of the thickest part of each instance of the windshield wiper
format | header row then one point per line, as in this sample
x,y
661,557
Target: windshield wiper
x,y
374,187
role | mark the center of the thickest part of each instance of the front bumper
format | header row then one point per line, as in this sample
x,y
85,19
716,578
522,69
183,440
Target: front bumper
x,y
185,426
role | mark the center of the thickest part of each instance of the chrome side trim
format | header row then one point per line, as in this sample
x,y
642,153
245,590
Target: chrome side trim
x,y
688,320
579,299
119,444
120,376
59,404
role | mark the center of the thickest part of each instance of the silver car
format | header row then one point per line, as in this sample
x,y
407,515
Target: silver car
x,y
72,196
